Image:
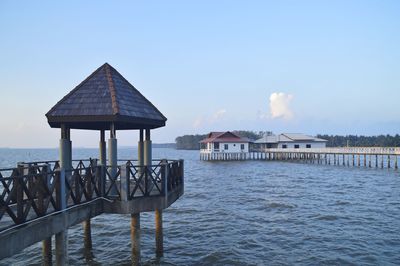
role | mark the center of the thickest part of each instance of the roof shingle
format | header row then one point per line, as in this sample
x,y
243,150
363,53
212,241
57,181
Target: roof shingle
x,y
102,98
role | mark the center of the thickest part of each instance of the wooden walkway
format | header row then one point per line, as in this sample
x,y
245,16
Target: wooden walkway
x,y
379,157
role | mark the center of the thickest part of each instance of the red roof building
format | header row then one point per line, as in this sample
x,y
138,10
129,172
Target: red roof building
x,y
224,142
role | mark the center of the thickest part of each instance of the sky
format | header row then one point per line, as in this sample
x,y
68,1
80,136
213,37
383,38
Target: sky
x,y
328,67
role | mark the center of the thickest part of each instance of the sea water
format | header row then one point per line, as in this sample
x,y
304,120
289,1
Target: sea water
x,y
248,213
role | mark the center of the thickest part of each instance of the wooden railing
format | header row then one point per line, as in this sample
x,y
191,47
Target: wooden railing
x,y
342,150
33,190
135,181
28,193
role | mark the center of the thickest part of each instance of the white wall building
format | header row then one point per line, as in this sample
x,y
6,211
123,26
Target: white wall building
x,y
289,141
224,142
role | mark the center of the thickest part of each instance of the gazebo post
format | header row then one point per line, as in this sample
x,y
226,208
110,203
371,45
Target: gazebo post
x,y
102,148
147,149
112,157
65,164
140,150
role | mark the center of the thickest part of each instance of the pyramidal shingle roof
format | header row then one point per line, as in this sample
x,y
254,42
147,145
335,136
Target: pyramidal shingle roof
x,y
103,98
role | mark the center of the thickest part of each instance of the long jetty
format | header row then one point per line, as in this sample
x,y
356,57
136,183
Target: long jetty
x,y
379,157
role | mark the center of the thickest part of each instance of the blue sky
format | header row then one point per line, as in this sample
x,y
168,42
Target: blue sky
x,y
329,66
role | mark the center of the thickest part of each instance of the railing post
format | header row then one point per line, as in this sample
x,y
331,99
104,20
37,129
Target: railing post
x,y
89,178
164,176
41,181
125,193
100,177
146,177
18,179
76,175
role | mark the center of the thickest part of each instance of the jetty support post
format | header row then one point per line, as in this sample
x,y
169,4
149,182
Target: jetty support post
x,y
65,167
87,237
159,233
369,162
135,238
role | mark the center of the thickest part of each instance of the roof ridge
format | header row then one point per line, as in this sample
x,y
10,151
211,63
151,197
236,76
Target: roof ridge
x,y
133,87
111,88
284,134
75,89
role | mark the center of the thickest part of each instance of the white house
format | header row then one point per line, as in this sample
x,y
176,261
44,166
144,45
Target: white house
x,y
224,142
289,141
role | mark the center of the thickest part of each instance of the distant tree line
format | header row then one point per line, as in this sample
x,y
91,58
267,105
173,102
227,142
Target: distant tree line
x,y
191,142
361,141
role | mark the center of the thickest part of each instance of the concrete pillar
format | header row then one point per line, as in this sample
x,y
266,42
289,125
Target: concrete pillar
x,y
159,233
112,157
65,165
147,149
140,149
135,238
102,149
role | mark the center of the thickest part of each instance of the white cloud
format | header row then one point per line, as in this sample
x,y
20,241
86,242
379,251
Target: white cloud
x,y
218,115
279,105
210,119
198,122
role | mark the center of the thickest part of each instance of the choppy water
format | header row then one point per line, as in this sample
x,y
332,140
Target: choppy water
x,y
251,213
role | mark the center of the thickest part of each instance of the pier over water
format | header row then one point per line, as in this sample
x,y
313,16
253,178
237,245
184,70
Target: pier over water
x,y
42,199
378,157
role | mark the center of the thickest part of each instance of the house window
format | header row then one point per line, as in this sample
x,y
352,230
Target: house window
x,y
308,146
216,146
284,146
225,146
296,146
242,146
234,145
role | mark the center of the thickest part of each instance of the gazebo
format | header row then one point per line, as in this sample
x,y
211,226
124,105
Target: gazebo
x,y
105,100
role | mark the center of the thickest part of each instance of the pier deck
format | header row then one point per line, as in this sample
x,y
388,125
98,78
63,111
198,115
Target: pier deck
x,y
349,156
